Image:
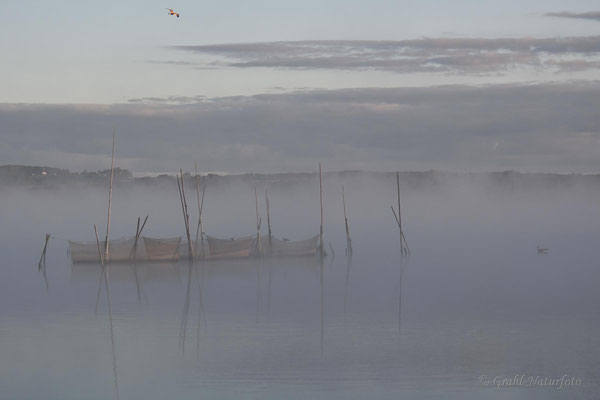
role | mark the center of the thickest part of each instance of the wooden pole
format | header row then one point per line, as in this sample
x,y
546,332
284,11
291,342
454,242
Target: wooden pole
x,y
258,222
200,221
140,289
348,240
200,204
137,228
43,256
138,233
186,217
98,243
404,249
103,266
321,244
134,254
112,168
399,209
269,221
403,239
143,225
42,262
134,248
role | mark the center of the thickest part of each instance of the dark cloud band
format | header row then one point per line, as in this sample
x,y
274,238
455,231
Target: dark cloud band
x,y
524,127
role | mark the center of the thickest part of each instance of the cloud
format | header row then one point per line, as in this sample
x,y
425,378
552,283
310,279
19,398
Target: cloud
x,y
593,15
546,127
434,55
574,65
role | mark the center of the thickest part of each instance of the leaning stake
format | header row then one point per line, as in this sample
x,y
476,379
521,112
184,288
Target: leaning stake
x,y
112,166
321,244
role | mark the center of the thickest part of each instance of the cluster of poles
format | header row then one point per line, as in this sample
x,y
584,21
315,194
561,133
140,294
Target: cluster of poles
x,y
196,251
196,247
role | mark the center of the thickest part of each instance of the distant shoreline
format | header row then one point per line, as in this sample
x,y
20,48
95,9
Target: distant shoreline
x,y
49,177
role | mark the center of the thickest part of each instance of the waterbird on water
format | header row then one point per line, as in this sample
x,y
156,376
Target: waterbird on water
x,y
541,250
171,12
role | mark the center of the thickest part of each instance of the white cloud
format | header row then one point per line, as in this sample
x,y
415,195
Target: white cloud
x,y
430,55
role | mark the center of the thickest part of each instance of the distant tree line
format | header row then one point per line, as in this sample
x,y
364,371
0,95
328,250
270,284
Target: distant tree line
x,y
501,182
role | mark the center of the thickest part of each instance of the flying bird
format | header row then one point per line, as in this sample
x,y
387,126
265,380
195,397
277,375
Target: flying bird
x,y
541,250
171,12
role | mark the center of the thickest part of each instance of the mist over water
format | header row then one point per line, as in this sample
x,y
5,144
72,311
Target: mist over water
x,y
477,298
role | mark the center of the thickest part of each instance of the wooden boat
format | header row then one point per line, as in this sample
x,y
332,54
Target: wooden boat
x,y
120,250
230,248
164,249
285,248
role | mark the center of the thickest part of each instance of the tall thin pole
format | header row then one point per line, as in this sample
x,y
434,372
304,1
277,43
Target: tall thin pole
x,y
42,262
200,204
133,252
43,257
103,266
186,217
200,221
348,240
321,248
98,243
404,249
258,221
399,210
268,217
112,168
138,234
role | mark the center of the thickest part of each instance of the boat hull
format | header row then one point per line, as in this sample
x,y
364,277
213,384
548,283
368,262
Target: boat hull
x,y
230,248
86,252
282,248
165,249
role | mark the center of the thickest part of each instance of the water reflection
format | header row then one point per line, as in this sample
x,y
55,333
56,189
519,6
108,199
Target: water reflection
x,y
105,277
347,285
239,351
403,264
186,308
258,263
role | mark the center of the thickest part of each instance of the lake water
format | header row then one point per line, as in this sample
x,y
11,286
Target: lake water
x,y
479,306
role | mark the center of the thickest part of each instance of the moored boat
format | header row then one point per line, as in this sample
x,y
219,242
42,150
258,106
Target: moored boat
x,y
285,248
161,249
230,248
119,250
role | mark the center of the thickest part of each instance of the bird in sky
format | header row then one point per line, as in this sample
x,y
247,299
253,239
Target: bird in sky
x,y
171,12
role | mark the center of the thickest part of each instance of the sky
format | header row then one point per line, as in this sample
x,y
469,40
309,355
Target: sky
x,y
270,86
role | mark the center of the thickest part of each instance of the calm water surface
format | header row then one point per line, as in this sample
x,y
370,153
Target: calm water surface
x,y
477,303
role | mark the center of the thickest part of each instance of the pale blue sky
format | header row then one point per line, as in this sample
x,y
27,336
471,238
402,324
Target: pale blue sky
x,y
98,52
270,86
